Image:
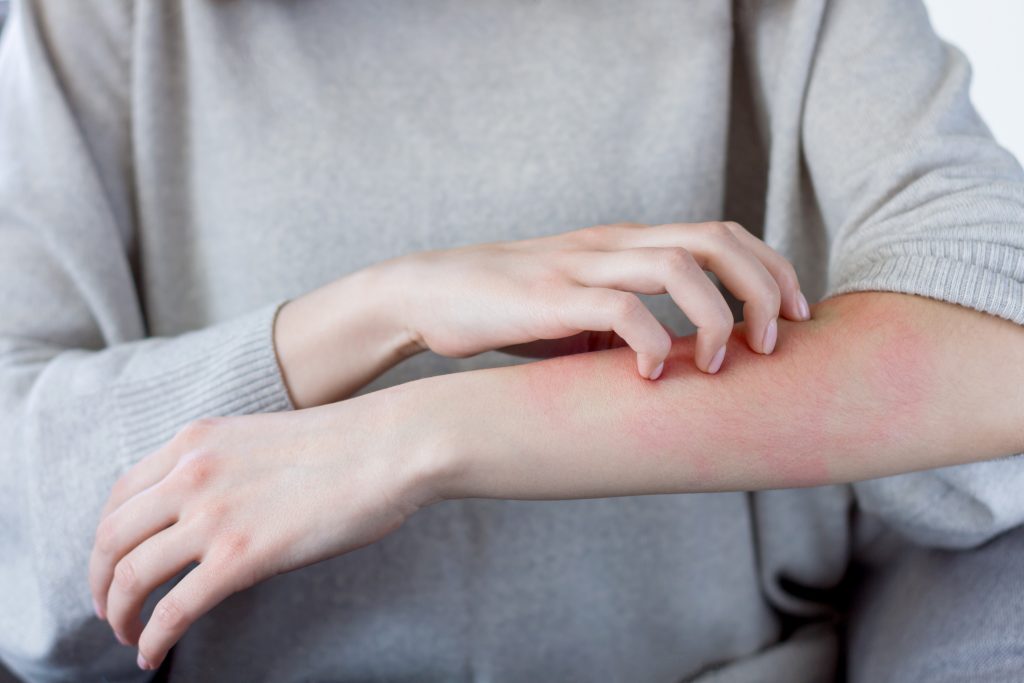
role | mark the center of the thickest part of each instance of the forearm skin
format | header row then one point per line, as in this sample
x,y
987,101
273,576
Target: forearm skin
x,y
334,340
875,384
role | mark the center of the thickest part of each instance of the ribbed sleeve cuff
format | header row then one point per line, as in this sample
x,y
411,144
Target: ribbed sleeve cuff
x,y
227,369
984,276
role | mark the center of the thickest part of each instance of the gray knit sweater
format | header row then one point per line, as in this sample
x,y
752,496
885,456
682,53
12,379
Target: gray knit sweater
x,y
172,172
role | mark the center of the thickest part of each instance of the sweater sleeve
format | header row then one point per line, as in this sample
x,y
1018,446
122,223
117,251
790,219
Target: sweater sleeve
x,y
84,393
917,198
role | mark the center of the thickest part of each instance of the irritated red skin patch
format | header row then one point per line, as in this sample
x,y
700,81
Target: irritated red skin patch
x,y
895,369
774,421
729,431
549,387
650,420
569,391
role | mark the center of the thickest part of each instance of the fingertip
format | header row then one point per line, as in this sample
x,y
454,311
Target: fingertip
x,y
144,663
771,335
803,309
716,361
98,609
155,651
648,365
657,371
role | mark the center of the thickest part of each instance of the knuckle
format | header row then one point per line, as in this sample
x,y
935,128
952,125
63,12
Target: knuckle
x,y
197,469
625,306
720,229
125,578
724,320
663,346
733,227
774,295
787,275
234,546
591,234
679,260
726,239
584,234
234,559
197,431
770,294
169,614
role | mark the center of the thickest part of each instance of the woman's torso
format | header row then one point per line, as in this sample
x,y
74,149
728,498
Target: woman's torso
x,y
280,145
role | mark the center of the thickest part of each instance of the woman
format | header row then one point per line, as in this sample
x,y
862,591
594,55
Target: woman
x,y
223,220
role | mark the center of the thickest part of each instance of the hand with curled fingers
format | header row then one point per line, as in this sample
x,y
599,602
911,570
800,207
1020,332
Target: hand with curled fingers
x,y
247,497
577,285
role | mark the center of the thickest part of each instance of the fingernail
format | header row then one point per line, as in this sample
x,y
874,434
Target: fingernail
x,y
657,371
771,334
120,639
716,362
97,608
143,664
801,303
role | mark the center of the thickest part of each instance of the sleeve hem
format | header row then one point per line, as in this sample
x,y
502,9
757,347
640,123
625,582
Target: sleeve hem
x,y
227,369
980,286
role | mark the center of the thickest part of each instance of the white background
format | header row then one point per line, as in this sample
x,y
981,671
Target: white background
x,y
991,33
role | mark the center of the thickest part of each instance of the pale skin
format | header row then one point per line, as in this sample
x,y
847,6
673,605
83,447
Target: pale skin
x,y
874,384
544,296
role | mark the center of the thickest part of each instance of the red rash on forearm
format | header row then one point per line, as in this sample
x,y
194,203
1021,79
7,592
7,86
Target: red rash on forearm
x,y
828,405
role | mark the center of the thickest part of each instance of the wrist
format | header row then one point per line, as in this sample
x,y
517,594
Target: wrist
x,y
388,287
334,339
429,437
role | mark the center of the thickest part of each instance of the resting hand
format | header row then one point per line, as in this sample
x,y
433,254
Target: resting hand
x,y
247,497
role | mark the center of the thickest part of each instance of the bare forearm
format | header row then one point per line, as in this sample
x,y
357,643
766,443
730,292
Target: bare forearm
x,y
876,384
333,340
